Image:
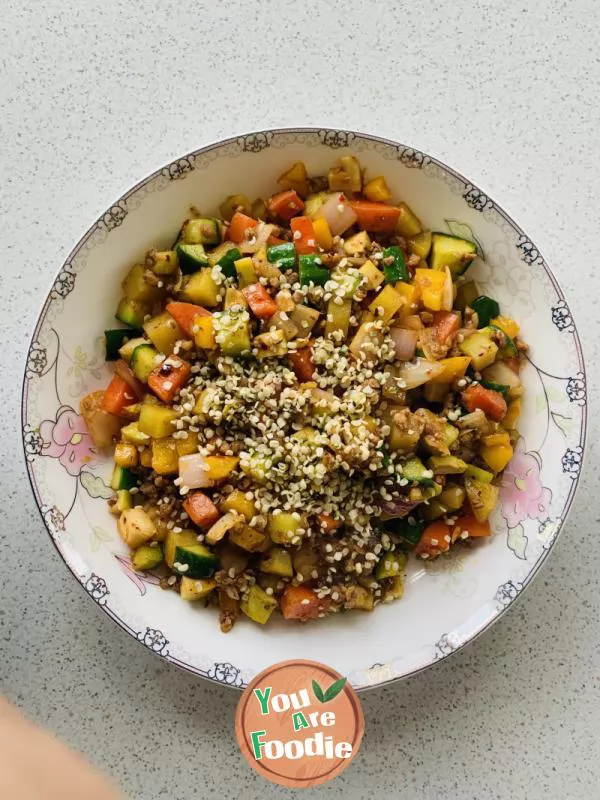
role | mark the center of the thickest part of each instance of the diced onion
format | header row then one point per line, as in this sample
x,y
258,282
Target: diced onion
x,y
123,371
193,471
405,343
503,374
448,292
338,213
260,235
418,372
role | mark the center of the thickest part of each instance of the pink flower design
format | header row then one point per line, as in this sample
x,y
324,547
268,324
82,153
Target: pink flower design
x,y
522,494
67,438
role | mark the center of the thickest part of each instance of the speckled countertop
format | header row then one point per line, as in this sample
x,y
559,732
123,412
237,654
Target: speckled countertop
x,y
93,95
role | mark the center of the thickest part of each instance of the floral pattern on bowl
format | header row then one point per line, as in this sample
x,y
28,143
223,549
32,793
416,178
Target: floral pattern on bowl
x,y
469,590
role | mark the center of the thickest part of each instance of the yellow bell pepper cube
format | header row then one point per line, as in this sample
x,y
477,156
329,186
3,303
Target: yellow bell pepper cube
x,y
245,270
204,333
373,275
411,297
454,368
431,284
323,234
497,456
494,439
165,459
201,288
512,415
506,324
377,190
389,300
219,467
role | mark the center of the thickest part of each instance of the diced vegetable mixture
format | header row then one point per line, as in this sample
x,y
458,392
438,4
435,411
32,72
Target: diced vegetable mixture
x,y
308,390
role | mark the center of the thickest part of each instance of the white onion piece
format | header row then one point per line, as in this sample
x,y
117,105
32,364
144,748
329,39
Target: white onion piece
x,y
123,371
503,374
416,373
259,237
448,292
405,343
193,472
338,213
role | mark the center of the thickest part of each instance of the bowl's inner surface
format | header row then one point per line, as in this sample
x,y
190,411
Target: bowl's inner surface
x,y
446,602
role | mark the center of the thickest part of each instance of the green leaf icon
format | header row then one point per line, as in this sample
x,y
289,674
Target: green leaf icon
x,y
318,692
334,689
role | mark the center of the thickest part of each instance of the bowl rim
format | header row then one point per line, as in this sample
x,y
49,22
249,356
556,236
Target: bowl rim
x,y
235,138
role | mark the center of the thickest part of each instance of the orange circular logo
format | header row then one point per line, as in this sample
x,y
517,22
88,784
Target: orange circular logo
x,y
299,723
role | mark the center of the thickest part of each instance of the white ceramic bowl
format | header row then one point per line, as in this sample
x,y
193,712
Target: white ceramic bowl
x,y
447,602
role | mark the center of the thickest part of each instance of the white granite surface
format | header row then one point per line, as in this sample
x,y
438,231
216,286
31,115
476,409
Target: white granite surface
x,y
96,93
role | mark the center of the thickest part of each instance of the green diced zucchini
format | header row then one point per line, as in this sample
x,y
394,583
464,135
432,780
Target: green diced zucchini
x,y
156,420
480,348
508,349
115,339
148,556
249,539
192,257
394,265
420,245
415,471
201,288
338,318
124,500
390,565
409,528
486,309
482,497
232,332
175,539
164,332
258,605
447,465
132,312
450,435
194,561
201,231
479,474
451,251
347,281
136,287
144,360
127,349
196,589
122,478
279,252
224,256
277,561
311,270
162,262
284,527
